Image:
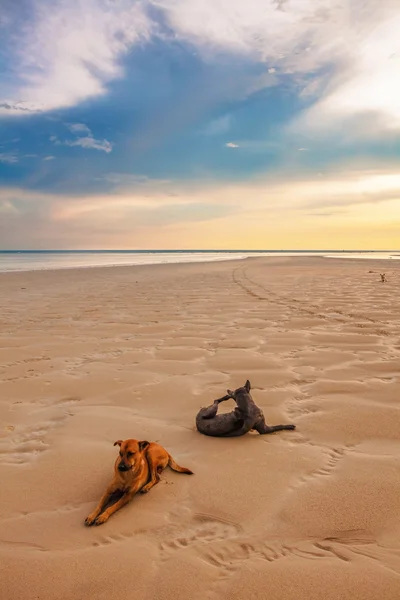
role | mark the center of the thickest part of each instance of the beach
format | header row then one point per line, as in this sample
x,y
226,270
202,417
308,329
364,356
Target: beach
x,y
90,356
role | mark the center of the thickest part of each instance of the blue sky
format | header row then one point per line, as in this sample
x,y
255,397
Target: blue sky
x,y
199,123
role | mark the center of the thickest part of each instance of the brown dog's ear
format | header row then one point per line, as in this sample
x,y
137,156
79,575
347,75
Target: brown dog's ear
x,y
143,445
118,443
247,386
230,393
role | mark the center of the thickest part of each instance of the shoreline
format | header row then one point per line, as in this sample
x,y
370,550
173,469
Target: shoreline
x,y
205,261
117,265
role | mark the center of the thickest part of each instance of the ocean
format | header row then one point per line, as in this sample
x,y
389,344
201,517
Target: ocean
x,y
24,260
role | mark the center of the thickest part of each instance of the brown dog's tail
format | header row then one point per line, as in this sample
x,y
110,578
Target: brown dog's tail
x,y
175,467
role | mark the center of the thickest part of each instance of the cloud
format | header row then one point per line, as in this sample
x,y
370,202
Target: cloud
x,y
125,183
46,220
292,38
68,51
14,107
259,146
371,188
49,158
91,144
8,158
88,141
342,67
362,96
350,66
323,214
79,128
347,207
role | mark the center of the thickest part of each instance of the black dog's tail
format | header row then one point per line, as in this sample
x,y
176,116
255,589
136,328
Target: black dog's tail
x,y
273,428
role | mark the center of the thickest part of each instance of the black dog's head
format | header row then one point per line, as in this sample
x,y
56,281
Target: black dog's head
x,y
239,391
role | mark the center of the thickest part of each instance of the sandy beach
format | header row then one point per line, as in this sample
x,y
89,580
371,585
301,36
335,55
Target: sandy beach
x,y
89,356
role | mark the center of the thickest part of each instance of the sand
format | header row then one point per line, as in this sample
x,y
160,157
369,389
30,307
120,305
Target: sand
x,y
94,355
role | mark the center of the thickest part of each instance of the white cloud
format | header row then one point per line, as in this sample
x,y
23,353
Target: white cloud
x,y
345,55
232,145
367,87
294,37
69,51
87,141
91,143
8,158
79,128
49,158
351,50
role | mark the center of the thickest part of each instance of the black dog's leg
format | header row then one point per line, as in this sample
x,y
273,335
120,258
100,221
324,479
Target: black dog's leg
x,y
209,412
246,426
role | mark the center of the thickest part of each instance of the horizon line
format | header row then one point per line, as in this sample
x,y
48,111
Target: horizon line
x,y
194,250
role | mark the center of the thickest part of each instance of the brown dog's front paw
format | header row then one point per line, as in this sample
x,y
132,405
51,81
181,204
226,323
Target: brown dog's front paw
x,y
90,520
101,519
145,490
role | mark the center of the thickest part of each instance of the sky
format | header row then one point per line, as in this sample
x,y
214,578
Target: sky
x,y
162,124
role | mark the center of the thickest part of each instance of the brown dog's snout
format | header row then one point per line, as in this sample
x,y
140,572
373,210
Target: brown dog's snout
x,y
123,467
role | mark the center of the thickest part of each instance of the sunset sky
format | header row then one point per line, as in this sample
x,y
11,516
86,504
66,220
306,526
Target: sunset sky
x,y
260,124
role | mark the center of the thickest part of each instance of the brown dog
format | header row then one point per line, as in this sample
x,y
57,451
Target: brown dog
x,y
137,468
